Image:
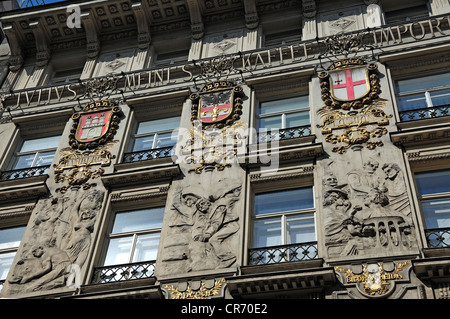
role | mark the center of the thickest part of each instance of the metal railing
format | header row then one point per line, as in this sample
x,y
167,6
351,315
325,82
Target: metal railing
x,y
284,134
123,272
438,237
148,154
24,173
283,253
425,113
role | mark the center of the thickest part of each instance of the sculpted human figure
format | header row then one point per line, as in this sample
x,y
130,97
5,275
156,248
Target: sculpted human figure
x,y
396,187
80,238
45,269
361,182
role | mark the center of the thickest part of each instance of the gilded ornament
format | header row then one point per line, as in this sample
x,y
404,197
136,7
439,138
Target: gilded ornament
x,y
202,293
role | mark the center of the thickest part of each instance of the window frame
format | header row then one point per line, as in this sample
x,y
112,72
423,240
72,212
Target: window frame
x,y
13,249
282,215
425,91
17,154
281,113
129,234
154,134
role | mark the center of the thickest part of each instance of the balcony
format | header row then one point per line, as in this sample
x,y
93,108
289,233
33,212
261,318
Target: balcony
x,y
284,134
148,154
24,173
283,253
425,113
438,237
123,272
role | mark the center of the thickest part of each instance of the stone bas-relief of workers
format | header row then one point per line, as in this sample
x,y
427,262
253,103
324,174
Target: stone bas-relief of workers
x,y
369,211
200,229
60,236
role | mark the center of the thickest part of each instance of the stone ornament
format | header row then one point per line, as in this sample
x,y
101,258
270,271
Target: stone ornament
x,y
200,228
195,289
59,236
368,213
376,280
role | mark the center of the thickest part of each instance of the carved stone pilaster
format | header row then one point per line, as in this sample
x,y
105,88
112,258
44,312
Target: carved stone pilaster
x,y
92,38
144,37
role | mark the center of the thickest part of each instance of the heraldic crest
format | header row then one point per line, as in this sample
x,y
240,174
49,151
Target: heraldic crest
x,y
95,125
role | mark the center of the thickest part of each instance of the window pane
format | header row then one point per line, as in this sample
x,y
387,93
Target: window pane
x,y
284,201
166,140
300,229
24,161
297,119
169,123
143,143
433,182
11,237
6,261
44,158
270,122
267,233
146,247
40,144
423,83
284,105
118,251
436,213
440,98
412,102
138,220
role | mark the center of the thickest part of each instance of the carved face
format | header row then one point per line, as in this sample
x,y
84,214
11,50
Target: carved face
x,y
203,205
370,166
330,180
189,200
391,171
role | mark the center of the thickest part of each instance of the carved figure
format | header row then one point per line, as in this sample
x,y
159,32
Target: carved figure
x,y
199,227
59,237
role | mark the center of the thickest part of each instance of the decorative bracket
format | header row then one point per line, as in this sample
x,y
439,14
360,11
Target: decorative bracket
x,y
197,26
92,38
251,14
144,37
16,59
42,48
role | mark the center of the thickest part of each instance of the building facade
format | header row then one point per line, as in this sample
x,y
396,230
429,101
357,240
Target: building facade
x,y
178,149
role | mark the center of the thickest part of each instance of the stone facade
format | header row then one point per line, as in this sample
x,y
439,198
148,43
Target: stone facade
x,y
207,63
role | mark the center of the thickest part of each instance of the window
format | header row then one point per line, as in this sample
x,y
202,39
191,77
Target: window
x,y
434,195
134,236
35,152
285,114
155,134
405,13
283,218
9,243
423,92
66,76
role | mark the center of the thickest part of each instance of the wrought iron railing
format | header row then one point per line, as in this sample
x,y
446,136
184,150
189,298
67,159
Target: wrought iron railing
x,y
425,113
284,134
438,237
123,272
24,173
148,154
283,253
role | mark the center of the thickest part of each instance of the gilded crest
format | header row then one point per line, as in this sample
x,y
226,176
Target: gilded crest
x,y
218,104
349,84
95,125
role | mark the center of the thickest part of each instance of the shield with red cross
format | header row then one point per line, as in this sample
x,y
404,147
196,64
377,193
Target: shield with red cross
x,y
348,85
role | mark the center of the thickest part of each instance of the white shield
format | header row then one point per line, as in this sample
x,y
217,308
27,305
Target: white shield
x,y
349,85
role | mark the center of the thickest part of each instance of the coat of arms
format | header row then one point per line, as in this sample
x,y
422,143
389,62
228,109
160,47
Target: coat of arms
x,y
95,125
349,84
217,104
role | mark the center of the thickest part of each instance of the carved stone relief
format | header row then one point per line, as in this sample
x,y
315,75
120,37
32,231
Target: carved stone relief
x,y
367,211
201,226
58,236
